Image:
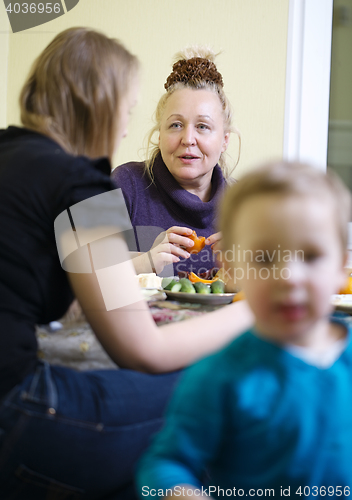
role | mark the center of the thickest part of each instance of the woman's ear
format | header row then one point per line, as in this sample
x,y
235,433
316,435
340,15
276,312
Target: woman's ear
x,y
226,142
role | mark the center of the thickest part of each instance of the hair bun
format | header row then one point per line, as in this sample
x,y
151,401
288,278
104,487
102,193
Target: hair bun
x,y
194,71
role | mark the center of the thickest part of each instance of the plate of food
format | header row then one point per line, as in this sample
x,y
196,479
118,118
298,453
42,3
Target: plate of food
x,y
342,302
184,290
197,298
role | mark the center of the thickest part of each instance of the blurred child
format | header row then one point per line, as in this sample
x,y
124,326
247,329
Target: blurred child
x,y
271,414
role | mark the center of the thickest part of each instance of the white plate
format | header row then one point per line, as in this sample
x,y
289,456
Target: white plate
x,y
152,294
342,302
211,299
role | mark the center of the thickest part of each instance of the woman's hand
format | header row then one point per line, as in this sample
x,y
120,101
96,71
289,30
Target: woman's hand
x,y
214,241
168,248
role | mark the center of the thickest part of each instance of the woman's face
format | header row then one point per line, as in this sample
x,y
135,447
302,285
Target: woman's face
x,y
192,135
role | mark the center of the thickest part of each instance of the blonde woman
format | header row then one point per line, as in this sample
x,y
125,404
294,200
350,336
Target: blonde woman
x,y
178,188
64,433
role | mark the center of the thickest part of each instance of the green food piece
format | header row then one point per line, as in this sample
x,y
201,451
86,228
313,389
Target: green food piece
x,y
186,286
168,283
202,288
217,286
176,287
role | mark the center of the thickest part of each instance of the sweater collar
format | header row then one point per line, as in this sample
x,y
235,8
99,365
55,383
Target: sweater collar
x,y
185,205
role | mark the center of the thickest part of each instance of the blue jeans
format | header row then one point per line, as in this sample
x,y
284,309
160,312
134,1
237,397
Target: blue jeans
x,y
77,435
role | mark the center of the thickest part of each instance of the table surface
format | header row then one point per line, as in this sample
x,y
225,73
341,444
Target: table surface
x,y
76,346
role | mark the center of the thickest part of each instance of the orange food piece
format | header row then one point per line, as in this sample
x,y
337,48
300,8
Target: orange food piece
x,y
194,278
239,296
348,286
199,242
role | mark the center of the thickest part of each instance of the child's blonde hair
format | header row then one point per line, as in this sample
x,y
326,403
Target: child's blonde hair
x,y
285,178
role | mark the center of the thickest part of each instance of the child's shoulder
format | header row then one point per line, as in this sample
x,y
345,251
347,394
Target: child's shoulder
x,y
243,353
249,341
247,364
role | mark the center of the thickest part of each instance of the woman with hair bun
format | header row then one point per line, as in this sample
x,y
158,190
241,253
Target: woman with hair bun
x,y
178,187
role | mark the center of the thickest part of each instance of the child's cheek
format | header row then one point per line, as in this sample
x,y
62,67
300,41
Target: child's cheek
x,y
232,278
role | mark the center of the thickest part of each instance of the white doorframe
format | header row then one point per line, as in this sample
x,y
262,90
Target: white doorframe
x,y
308,81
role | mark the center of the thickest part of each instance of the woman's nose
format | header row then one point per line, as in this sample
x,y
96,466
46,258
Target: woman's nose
x,y
188,136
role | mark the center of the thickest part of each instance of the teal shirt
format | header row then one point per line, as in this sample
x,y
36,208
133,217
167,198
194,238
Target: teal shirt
x,y
255,417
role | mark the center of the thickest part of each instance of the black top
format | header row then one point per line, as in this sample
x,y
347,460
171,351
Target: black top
x,y
38,181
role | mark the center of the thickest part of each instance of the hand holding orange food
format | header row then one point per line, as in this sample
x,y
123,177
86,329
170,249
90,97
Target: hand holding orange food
x,y
170,246
199,242
175,243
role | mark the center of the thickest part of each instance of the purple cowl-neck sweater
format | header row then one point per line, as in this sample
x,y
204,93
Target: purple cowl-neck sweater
x,y
156,206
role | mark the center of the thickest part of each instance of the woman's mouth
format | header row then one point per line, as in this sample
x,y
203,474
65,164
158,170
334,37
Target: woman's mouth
x,y
188,158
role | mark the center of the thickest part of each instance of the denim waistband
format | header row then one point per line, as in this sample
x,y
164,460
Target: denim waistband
x,y
37,387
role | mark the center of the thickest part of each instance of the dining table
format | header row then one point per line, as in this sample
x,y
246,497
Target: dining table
x,y
73,343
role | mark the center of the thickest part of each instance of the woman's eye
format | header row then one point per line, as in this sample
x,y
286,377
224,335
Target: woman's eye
x,y
175,125
202,126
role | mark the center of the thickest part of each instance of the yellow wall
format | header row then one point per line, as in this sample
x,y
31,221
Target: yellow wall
x,y
251,33
341,66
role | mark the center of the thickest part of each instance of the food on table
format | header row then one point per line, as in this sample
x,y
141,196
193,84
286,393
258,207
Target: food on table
x,y
194,278
176,287
209,274
209,277
217,286
348,286
167,283
199,242
171,285
186,286
239,296
221,275
149,280
202,288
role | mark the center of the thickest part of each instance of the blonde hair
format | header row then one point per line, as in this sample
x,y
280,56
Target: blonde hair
x,y
285,178
201,84
74,90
